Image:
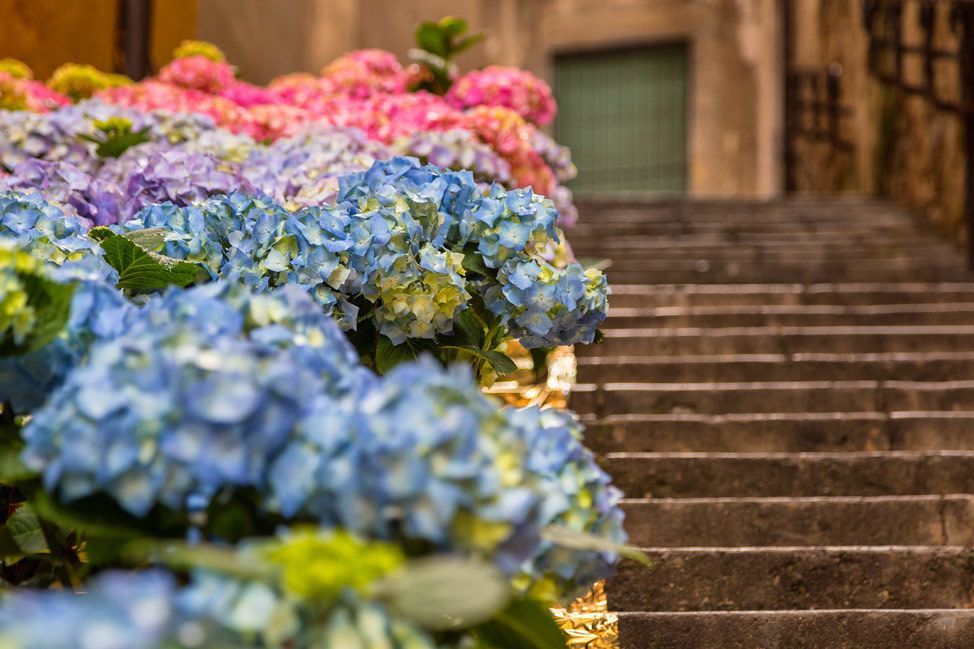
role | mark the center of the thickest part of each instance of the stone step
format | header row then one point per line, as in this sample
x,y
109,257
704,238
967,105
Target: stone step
x,y
611,235
834,521
631,264
738,272
785,396
782,433
731,252
766,475
701,341
698,295
796,578
921,366
944,313
834,629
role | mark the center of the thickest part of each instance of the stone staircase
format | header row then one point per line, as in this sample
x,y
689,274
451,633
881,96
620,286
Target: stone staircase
x,y
786,396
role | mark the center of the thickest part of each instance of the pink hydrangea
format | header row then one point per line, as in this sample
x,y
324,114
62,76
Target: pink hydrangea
x,y
361,73
512,88
198,73
511,137
247,94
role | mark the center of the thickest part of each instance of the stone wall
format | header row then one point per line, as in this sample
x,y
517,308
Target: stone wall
x,y
902,146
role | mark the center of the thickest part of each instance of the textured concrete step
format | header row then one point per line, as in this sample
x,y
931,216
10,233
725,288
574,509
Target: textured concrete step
x,y
728,522
648,295
837,629
783,397
721,398
722,579
739,272
934,366
760,475
791,315
782,432
699,341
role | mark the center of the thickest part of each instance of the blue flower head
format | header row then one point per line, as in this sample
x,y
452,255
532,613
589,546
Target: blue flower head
x,y
200,392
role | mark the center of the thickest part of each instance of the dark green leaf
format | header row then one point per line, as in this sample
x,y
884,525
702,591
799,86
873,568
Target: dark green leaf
x,y
474,263
524,624
112,144
51,302
140,269
387,355
465,44
599,337
470,327
431,38
12,468
500,361
22,535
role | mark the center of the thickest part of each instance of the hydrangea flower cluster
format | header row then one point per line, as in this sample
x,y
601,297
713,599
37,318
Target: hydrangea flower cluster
x,y
143,177
363,72
38,227
456,149
194,397
197,72
62,184
17,316
424,455
120,611
303,170
513,88
82,81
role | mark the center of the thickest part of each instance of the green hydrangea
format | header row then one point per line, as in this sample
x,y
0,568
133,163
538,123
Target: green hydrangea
x,y
17,316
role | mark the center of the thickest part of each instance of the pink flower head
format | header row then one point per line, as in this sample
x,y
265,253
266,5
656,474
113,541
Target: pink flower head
x,y
512,138
513,88
198,73
361,73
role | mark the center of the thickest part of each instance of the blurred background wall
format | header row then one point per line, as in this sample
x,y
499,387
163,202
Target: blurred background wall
x,y
687,91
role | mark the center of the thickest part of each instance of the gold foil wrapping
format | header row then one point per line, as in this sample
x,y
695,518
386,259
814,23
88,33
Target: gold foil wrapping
x,y
588,622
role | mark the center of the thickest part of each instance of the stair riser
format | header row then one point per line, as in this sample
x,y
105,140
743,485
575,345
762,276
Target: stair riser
x,y
783,436
799,630
665,343
827,522
750,273
799,579
959,317
795,476
629,296
619,370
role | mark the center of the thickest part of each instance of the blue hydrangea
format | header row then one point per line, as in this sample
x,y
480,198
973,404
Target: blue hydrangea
x,y
119,610
574,493
199,394
544,306
511,224
35,225
98,311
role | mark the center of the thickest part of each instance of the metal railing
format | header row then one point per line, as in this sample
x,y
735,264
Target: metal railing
x,y
814,112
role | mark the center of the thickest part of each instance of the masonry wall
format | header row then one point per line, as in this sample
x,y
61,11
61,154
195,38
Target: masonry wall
x,y
902,146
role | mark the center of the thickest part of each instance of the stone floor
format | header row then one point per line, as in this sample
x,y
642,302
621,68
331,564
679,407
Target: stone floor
x,y
786,395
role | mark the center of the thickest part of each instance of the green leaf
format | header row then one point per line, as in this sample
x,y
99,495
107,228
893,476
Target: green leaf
x,y
452,25
51,302
465,44
470,327
500,361
474,263
22,535
574,540
141,269
387,355
445,593
432,38
523,624
599,337
12,468
116,142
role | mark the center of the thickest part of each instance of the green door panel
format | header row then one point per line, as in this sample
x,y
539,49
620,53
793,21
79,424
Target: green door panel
x,y
623,113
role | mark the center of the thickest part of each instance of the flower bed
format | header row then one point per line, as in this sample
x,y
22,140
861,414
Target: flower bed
x,y
248,386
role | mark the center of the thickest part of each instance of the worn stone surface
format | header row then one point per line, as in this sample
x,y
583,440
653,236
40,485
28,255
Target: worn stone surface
x,y
792,422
